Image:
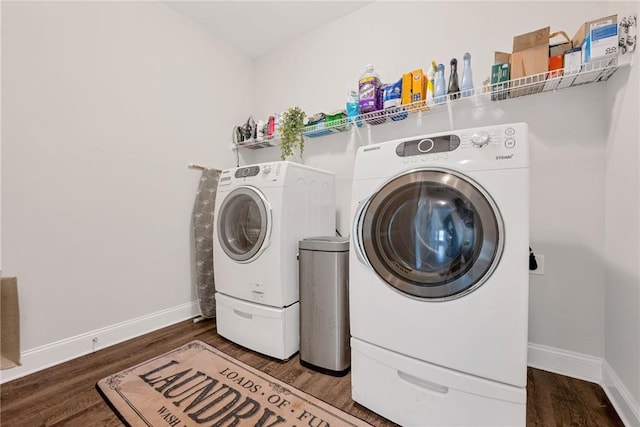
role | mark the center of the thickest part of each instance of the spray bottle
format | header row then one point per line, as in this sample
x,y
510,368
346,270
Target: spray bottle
x,y
467,77
431,84
441,86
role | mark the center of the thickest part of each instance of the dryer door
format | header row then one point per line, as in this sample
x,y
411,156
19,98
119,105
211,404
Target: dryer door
x,y
432,234
244,224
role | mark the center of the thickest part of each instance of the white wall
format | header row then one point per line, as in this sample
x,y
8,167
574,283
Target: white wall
x,y
400,36
0,146
104,106
622,241
568,133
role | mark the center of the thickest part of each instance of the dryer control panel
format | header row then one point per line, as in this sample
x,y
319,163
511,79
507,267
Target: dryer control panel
x,y
263,173
247,172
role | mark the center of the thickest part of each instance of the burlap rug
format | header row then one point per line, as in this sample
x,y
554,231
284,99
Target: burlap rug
x,y
197,385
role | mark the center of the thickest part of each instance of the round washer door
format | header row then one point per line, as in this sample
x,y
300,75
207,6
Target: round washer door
x,y
431,234
244,224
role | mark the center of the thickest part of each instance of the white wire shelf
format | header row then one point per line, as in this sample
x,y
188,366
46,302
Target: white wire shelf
x,y
592,72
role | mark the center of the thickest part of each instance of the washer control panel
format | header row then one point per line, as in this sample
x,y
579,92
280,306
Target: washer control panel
x,y
489,137
436,144
495,147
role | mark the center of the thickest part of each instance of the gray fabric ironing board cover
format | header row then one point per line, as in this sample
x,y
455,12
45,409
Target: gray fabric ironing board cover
x,y
203,224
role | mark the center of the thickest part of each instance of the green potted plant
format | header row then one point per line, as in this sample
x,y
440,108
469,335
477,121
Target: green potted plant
x,y
290,129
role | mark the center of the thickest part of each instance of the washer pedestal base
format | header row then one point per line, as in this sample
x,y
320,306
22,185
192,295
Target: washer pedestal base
x,y
416,393
268,330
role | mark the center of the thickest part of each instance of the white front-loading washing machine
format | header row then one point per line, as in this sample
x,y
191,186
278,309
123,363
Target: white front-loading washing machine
x,y
439,277
262,212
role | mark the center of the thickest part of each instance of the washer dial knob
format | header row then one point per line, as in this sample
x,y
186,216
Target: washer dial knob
x,y
480,139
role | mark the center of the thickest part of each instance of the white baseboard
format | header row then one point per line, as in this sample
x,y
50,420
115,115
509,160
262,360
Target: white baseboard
x,y
564,362
627,408
61,351
588,368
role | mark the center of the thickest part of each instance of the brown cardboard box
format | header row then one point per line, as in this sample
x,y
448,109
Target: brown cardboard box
x,y
501,58
559,48
581,34
530,58
604,43
530,53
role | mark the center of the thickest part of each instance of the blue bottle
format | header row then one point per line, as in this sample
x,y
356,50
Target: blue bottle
x,y
467,78
441,86
353,108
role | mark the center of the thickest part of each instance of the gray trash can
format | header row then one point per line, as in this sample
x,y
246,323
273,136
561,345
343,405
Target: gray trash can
x,y
324,304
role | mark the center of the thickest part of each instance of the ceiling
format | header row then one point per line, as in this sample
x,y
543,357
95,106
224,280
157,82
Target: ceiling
x,y
257,27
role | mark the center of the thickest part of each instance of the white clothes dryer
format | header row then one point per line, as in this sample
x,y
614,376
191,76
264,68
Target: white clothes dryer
x,y
439,277
263,211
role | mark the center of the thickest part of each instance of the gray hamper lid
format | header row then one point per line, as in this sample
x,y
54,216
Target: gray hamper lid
x,y
325,243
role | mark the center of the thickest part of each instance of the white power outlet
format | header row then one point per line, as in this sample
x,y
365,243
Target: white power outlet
x,y
540,262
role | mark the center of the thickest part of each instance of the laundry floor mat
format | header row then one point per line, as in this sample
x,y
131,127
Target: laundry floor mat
x,y
197,385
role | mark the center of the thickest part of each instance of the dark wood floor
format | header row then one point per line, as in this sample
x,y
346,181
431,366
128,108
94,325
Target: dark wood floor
x,y
66,394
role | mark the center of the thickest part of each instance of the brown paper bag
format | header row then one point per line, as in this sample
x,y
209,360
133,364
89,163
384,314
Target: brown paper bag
x,y
9,323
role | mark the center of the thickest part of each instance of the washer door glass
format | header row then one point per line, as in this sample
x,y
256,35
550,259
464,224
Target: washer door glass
x,y
432,234
243,224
